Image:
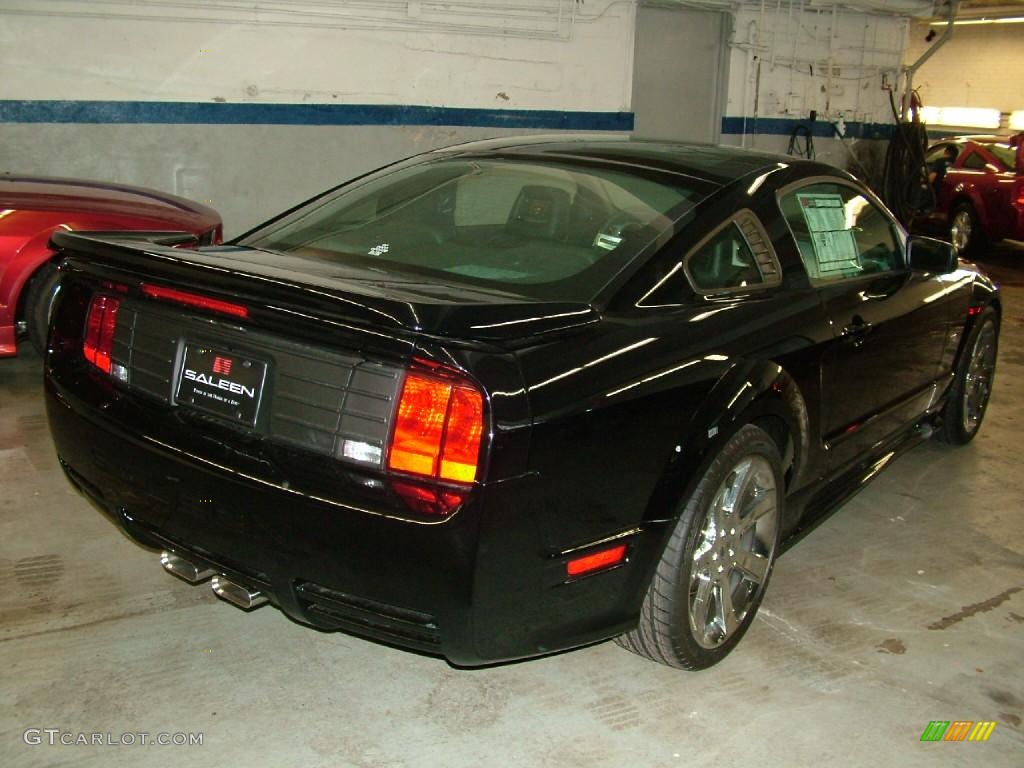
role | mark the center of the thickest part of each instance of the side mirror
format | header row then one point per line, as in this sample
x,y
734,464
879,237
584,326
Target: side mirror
x,y
926,254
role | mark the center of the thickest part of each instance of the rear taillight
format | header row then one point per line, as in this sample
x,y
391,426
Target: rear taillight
x,y
435,502
438,428
99,331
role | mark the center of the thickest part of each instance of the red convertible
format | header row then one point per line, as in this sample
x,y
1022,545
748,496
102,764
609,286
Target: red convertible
x,y
32,208
980,192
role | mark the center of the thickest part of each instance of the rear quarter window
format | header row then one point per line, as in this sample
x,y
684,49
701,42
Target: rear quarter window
x,y
736,257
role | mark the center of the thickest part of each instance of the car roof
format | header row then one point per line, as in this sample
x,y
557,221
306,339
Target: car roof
x,y
718,165
982,138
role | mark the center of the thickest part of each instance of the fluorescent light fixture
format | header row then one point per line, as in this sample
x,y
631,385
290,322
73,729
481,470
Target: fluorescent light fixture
x,y
1017,120
965,22
963,117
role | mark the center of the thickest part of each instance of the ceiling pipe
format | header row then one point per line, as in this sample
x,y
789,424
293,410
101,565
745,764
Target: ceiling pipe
x,y
947,33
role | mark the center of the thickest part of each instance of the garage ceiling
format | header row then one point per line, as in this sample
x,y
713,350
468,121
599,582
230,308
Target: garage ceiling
x,y
924,9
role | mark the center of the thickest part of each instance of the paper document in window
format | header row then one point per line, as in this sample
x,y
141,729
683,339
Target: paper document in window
x,y
835,248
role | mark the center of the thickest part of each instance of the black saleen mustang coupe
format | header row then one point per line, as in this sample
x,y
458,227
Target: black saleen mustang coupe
x,y
516,396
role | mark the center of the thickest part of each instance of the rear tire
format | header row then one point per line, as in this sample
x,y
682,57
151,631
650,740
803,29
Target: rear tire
x,y
968,397
715,567
42,290
965,230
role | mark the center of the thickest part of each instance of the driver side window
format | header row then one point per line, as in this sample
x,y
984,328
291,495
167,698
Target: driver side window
x,y
840,233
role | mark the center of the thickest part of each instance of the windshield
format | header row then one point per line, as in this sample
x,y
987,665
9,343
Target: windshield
x,y
542,230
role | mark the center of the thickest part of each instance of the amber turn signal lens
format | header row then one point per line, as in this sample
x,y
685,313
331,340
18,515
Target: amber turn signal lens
x,y
463,431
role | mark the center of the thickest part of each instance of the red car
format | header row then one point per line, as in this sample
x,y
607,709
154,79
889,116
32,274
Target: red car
x,y
31,208
980,199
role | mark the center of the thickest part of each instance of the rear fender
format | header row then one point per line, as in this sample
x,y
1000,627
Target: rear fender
x,y
750,391
26,262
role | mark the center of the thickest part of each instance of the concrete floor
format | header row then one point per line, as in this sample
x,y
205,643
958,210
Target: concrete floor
x,y
907,606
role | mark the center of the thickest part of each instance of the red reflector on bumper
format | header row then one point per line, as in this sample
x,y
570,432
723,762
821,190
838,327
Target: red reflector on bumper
x,y
596,561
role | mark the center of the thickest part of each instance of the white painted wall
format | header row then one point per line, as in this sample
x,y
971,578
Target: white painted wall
x,y
980,66
532,54
791,59
564,55
487,54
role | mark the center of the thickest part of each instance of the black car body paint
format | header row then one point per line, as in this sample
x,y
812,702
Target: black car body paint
x,y
600,414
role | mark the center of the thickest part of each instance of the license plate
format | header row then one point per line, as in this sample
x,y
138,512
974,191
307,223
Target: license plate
x,y
221,383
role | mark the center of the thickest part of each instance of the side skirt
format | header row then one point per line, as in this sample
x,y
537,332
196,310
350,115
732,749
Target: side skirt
x,y
819,501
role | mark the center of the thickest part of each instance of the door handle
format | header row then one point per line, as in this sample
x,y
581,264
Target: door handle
x,y
855,332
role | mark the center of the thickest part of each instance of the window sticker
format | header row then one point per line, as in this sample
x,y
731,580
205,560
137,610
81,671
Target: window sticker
x,y
835,249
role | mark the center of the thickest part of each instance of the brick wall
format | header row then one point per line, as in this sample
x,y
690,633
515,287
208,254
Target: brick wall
x,y
981,66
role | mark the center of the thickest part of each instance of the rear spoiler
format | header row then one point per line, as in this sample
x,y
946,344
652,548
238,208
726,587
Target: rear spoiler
x,y
229,272
157,237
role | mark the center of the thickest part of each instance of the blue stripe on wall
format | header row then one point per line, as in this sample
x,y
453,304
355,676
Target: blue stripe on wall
x,y
215,113
783,126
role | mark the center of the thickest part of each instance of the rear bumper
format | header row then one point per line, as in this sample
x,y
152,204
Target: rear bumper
x,y
478,588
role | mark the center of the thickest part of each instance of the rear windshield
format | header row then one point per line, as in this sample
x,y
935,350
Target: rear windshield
x,y
537,229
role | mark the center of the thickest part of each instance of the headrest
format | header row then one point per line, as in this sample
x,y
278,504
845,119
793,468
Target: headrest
x,y
540,212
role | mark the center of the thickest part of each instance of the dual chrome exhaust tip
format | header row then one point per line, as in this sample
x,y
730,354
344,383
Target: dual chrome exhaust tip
x,y
236,594
223,587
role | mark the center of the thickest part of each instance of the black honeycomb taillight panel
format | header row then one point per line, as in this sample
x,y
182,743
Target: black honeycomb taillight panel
x,y
314,397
